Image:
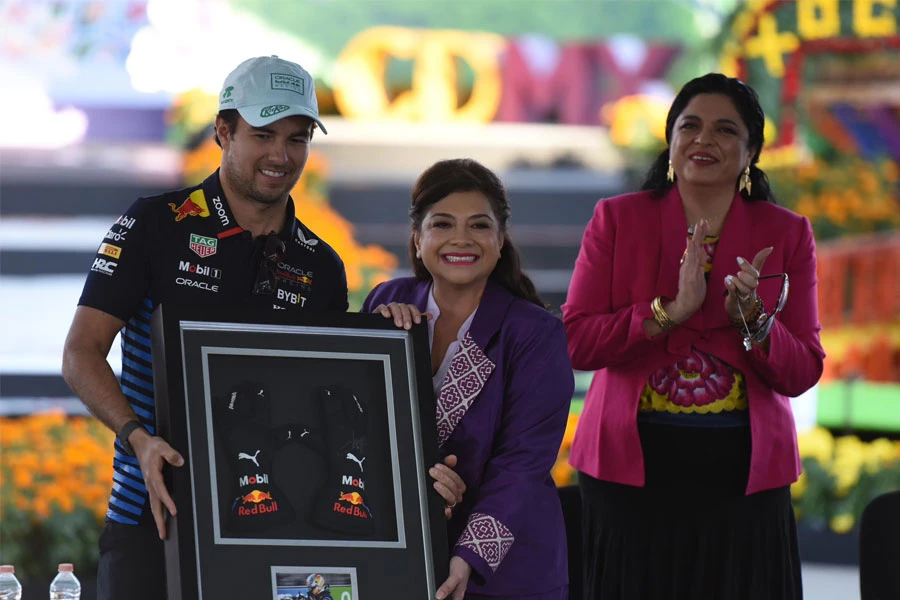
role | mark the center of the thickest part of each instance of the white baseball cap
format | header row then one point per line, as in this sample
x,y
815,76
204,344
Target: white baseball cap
x,y
267,88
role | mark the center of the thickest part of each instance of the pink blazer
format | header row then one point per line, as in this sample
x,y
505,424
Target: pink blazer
x,y
630,254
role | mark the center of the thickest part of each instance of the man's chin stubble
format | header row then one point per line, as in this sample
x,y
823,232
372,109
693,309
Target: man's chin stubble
x,y
268,200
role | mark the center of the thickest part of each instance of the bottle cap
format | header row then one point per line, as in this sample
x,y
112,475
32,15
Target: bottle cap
x,y
7,569
66,567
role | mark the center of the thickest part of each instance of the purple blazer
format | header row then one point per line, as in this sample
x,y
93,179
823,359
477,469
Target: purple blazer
x,y
502,411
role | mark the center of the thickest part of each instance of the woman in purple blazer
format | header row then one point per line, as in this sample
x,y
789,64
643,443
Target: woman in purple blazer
x,y
679,301
502,379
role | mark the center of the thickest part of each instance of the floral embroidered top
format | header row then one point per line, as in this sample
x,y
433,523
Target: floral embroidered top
x,y
697,391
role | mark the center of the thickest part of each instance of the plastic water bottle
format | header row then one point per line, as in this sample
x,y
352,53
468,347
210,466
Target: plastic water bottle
x,y
65,586
10,588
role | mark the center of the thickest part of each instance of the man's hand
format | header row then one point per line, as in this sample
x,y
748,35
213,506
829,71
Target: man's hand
x,y
456,583
448,484
404,315
153,453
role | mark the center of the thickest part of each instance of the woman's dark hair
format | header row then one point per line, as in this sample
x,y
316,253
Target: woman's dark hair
x,y
747,103
466,175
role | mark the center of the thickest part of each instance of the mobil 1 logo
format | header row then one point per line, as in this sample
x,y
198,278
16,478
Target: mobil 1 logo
x,y
197,269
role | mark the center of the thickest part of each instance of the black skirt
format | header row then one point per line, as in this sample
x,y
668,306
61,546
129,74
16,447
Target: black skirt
x,y
691,532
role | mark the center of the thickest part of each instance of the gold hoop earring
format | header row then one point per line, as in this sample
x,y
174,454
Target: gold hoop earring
x,y
670,174
745,181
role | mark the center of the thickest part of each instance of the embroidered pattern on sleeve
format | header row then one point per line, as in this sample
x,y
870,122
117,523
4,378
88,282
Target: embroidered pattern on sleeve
x,y
488,538
467,374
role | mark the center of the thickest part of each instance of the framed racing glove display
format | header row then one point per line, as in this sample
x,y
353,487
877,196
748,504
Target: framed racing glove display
x,y
307,447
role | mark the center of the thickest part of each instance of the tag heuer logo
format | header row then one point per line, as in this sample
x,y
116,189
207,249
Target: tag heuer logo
x,y
268,111
203,246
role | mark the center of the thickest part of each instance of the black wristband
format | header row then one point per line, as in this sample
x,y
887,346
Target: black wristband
x,y
126,431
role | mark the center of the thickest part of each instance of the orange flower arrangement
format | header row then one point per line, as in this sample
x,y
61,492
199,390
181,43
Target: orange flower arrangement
x,y
55,475
843,196
562,472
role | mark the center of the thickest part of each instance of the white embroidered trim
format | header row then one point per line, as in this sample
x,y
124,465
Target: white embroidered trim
x,y
468,372
488,538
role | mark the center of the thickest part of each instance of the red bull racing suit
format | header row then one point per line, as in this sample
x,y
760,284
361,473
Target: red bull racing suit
x,y
186,247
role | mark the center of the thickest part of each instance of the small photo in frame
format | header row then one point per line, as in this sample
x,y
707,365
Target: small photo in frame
x,y
314,583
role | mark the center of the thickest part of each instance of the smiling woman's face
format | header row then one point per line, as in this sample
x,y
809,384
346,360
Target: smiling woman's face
x,y
709,142
460,240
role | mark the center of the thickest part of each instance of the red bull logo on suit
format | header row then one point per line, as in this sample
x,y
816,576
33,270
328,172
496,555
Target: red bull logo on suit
x,y
259,502
357,506
194,206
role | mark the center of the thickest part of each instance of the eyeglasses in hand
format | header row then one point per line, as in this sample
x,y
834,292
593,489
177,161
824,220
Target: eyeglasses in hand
x,y
273,251
763,328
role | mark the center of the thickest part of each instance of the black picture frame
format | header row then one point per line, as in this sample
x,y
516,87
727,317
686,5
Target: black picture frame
x,y
212,366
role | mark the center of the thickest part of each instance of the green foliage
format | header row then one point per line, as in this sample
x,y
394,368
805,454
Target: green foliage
x,y
36,548
330,24
815,507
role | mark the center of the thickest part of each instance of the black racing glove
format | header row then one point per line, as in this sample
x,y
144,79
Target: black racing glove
x,y
341,503
243,420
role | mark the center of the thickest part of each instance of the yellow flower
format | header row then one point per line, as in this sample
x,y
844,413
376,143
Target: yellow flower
x,y
849,459
880,452
868,183
563,474
818,444
42,507
842,523
848,447
799,486
569,435
66,503
22,478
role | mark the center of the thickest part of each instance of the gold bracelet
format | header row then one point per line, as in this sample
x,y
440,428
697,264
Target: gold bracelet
x,y
660,315
758,309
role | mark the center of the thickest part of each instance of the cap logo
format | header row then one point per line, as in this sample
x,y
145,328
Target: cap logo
x,y
227,92
274,109
281,81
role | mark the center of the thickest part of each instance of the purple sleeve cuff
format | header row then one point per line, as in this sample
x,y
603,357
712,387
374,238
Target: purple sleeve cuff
x,y
487,538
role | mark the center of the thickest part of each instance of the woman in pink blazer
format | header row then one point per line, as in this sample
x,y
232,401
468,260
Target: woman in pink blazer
x,y
686,447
